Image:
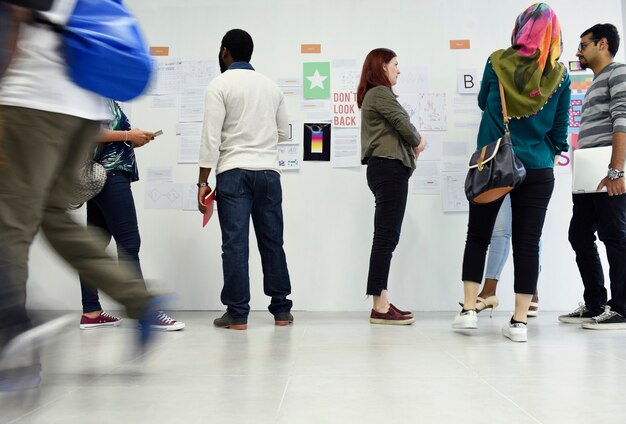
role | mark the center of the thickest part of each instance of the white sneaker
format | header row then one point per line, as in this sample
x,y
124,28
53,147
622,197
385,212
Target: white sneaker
x,y
467,320
516,332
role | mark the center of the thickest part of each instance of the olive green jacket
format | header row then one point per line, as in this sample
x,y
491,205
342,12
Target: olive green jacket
x,y
386,129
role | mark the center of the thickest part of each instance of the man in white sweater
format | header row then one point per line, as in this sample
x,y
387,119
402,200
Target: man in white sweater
x,y
245,117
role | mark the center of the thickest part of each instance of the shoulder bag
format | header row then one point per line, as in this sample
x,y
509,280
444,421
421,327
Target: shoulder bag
x,y
494,170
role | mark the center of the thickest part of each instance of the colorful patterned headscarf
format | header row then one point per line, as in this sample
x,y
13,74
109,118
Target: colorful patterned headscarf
x,y
529,70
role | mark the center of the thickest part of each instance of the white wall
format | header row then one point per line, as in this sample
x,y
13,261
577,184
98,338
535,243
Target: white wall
x,y
329,212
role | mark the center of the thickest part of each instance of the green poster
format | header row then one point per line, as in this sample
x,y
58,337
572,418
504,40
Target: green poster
x,y
316,80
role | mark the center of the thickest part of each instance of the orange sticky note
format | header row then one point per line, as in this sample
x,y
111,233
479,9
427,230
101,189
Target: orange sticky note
x,y
159,51
459,44
310,48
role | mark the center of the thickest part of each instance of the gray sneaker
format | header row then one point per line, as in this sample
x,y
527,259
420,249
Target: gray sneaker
x,y
607,320
578,315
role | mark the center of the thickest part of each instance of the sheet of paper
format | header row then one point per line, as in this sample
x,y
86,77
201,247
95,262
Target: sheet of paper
x,y
189,129
345,147
468,81
159,173
191,105
316,110
190,197
198,73
434,146
453,192
425,178
346,75
189,149
289,156
164,195
167,77
164,101
431,112
412,79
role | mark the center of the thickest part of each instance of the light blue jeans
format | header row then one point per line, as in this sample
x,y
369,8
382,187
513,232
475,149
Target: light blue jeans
x,y
501,242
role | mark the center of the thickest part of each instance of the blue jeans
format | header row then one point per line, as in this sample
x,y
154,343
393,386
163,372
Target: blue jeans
x,y
113,213
500,241
606,215
242,194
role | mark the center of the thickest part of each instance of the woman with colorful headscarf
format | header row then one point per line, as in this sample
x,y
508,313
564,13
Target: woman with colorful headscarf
x,y
537,93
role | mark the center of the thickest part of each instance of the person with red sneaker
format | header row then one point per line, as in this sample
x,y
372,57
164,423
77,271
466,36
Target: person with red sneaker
x,y
390,145
112,213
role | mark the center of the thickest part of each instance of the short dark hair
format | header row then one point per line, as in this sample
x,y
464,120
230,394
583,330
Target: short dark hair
x,y
239,43
608,31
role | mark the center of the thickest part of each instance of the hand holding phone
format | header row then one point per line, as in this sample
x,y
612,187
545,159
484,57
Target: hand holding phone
x,y
158,133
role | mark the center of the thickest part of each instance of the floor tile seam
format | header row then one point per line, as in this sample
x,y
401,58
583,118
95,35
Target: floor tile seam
x,y
282,400
504,396
44,405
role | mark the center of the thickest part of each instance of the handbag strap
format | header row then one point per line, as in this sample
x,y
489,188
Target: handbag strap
x,y
504,114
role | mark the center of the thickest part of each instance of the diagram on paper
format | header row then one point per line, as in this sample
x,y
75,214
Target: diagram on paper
x,y
431,112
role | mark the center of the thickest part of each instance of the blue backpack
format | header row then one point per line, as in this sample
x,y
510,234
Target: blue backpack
x,y
104,49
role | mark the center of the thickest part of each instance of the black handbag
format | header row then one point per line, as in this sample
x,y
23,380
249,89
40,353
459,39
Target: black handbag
x,y
494,170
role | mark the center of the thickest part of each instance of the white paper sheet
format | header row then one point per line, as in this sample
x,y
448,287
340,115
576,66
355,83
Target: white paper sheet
x,y
345,147
425,178
159,173
189,149
191,105
164,195
453,192
289,156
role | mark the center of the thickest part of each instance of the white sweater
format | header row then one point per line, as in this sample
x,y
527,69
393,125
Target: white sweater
x,y
37,76
244,119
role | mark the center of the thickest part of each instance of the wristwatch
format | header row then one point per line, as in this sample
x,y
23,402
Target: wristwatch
x,y
614,173
207,184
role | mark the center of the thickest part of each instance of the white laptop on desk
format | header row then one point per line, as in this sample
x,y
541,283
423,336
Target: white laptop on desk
x,y
590,167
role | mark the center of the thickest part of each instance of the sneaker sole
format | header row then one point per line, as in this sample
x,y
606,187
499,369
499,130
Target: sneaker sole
x,y
568,320
174,327
282,323
100,325
473,326
515,337
392,322
38,336
592,326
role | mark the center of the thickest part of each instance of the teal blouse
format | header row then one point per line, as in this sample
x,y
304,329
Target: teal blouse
x,y
119,156
537,138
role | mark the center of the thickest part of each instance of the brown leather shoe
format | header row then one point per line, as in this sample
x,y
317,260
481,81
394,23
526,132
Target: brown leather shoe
x,y
283,318
226,321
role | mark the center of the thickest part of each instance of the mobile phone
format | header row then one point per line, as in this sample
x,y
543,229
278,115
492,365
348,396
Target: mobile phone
x,y
157,133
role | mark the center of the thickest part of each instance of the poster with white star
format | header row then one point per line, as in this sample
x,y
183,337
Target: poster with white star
x,y
316,80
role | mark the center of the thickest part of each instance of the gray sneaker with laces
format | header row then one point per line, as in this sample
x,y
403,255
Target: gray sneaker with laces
x,y
607,320
578,315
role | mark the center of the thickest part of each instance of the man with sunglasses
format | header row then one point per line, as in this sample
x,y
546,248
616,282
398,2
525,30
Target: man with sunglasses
x,y
603,123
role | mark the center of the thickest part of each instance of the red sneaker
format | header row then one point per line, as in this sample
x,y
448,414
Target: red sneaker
x,y
103,320
392,317
407,314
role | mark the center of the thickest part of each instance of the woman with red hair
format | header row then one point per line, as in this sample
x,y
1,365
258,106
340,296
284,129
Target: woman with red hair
x,y
390,144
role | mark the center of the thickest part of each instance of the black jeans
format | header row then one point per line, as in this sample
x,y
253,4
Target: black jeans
x,y
113,212
606,215
529,203
389,181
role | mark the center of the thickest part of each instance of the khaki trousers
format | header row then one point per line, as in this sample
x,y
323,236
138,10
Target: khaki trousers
x,y
40,153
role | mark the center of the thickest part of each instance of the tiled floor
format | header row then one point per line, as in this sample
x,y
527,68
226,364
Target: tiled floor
x,y
331,368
